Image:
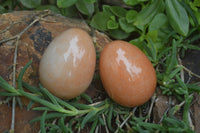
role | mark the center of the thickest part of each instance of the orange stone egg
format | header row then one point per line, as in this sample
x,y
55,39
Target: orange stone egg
x,y
68,64
127,74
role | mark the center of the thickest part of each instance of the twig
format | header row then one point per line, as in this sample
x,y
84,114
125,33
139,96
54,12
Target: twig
x,y
21,33
104,120
182,71
14,85
151,106
118,123
182,78
7,28
189,71
125,120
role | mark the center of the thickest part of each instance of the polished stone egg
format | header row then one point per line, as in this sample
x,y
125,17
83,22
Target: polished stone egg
x,y
68,64
127,74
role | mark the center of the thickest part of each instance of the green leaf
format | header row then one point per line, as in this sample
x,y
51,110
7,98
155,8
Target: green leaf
x,y
86,97
30,3
153,35
69,11
148,13
133,2
118,11
186,109
81,106
177,17
109,118
2,9
85,8
42,122
48,116
171,62
111,24
65,3
106,8
19,80
131,15
30,105
50,7
62,125
31,88
99,21
158,21
94,125
118,34
88,117
50,96
125,26
8,4
8,94
153,50
196,3
4,84
90,1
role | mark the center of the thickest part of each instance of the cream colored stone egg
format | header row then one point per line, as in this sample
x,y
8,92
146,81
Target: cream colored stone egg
x,y
68,64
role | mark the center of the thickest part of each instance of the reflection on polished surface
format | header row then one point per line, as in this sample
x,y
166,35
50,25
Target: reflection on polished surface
x,y
132,69
74,50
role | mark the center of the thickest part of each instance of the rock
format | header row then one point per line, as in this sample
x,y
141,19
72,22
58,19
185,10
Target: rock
x,y
22,119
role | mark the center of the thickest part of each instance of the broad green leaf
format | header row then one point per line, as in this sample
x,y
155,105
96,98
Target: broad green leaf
x,y
148,13
191,14
69,11
30,3
118,11
106,8
177,16
90,1
65,3
153,35
118,34
111,24
2,9
158,21
197,3
8,4
131,15
50,7
125,26
85,8
99,21
133,2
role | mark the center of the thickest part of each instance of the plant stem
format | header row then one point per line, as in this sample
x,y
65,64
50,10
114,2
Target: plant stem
x,y
14,84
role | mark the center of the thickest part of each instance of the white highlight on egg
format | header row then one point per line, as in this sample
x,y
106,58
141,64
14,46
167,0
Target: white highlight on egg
x,y
73,49
132,69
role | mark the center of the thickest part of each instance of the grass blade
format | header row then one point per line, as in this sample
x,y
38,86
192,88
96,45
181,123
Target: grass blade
x,y
42,122
50,96
86,97
19,80
88,117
